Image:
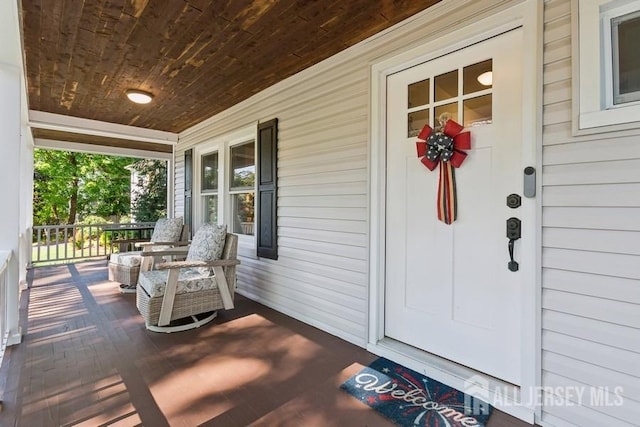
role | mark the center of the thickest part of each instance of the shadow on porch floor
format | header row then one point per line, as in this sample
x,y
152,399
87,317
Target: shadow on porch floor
x,y
86,359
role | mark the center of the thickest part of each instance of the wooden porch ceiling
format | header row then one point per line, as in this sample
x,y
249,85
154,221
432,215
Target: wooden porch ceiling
x,y
198,57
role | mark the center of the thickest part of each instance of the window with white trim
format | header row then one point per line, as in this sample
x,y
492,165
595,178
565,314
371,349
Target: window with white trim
x,y
608,75
226,186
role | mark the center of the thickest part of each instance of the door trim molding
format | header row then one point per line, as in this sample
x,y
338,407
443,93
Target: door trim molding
x,y
527,15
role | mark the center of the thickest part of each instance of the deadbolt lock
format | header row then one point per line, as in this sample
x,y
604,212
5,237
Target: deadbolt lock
x,y
514,201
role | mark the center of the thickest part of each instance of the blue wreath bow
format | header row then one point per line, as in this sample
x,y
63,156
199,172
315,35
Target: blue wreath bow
x,y
439,146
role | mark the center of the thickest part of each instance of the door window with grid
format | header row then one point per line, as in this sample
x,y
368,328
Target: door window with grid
x,y
464,95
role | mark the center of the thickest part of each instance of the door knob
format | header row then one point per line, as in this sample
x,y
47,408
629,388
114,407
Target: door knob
x,y
514,230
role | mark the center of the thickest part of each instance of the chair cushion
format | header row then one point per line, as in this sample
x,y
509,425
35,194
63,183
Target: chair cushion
x,y
127,259
207,245
189,280
167,230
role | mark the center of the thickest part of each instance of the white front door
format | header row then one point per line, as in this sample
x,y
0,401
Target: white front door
x,y
448,289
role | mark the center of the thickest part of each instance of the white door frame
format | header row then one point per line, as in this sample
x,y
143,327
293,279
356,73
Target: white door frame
x,y
527,15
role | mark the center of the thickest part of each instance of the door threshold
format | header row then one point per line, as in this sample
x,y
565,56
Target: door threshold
x,y
502,395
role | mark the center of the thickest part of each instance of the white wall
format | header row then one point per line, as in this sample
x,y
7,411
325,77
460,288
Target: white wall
x,y
321,276
591,248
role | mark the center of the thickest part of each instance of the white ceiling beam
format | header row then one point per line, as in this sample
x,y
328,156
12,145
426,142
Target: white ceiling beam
x,y
59,122
49,144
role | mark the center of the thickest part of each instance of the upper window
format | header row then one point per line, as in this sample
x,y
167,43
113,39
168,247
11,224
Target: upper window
x,y
625,34
609,77
209,192
242,187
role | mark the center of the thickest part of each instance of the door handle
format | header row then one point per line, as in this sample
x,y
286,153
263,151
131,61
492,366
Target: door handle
x,y
514,230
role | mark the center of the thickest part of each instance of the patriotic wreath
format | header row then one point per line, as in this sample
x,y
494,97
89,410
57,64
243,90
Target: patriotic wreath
x,y
444,146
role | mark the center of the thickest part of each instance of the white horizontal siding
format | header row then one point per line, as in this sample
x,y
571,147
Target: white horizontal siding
x,y
600,195
611,241
556,72
604,218
610,334
603,172
599,377
591,249
178,207
597,308
592,352
617,288
602,413
598,150
602,263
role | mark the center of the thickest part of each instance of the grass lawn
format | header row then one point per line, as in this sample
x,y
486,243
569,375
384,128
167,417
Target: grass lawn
x,y
64,252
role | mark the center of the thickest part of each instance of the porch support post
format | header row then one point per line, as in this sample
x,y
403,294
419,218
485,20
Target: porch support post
x,y
12,164
10,193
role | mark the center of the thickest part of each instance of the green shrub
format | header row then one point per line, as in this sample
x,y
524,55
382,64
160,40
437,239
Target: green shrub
x,y
78,239
93,219
105,239
82,234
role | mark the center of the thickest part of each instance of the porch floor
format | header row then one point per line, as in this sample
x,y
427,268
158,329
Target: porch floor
x,y
86,359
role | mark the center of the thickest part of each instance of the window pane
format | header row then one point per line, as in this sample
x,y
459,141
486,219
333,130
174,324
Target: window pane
x,y
627,68
211,209
417,120
451,109
477,77
477,111
418,94
243,166
446,85
210,171
242,213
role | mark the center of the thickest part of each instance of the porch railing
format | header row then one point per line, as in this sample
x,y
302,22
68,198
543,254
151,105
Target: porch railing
x,y
59,243
5,257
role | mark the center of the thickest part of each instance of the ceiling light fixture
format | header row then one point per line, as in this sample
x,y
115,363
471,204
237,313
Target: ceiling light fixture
x,y
139,96
486,79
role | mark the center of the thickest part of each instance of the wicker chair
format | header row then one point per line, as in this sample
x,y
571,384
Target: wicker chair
x,y
178,297
125,267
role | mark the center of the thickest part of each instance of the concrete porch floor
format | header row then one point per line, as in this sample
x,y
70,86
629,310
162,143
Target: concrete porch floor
x,y
87,360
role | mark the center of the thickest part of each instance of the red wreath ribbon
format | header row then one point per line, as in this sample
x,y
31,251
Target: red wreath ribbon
x,y
444,148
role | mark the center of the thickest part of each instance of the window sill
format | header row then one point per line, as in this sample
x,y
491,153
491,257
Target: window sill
x,y
604,121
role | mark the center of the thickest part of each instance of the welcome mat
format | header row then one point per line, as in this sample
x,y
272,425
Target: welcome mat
x,y
410,399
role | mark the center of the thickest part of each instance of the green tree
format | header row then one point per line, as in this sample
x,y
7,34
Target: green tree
x,y
69,185
106,186
149,198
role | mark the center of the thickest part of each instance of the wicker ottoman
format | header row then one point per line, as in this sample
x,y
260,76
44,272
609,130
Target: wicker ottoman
x,y
124,268
127,275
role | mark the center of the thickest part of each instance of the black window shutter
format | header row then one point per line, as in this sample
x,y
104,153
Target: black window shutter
x,y
267,219
188,184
